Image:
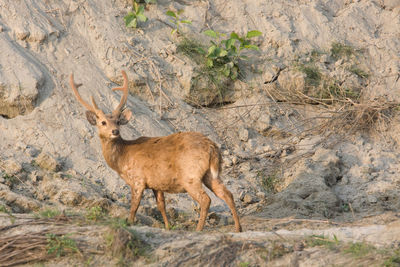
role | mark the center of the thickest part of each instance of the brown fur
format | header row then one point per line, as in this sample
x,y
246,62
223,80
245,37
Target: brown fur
x,y
177,163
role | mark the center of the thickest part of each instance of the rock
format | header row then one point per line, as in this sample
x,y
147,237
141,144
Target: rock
x,y
19,82
372,199
213,218
234,159
252,144
261,195
19,203
250,199
11,167
48,162
31,151
35,176
70,198
245,167
243,134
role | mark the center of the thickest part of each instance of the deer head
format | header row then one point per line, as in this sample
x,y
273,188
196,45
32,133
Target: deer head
x,y
107,124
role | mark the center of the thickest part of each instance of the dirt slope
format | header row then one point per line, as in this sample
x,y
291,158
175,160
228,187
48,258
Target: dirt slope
x,y
309,131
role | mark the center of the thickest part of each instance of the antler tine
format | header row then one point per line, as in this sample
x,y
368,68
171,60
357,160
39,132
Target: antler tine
x,y
124,97
74,87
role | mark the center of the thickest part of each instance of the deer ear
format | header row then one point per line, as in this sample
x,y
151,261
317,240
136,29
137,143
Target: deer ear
x,y
125,117
91,117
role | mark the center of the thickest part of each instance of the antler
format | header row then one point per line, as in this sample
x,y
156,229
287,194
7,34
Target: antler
x,y
74,87
124,97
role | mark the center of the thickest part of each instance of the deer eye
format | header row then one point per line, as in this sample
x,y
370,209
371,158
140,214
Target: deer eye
x,y
103,123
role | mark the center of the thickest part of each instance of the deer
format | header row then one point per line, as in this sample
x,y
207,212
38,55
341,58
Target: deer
x,y
177,163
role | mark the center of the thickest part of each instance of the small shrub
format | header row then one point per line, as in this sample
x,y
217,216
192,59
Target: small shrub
x,y
126,244
134,16
313,74
359,72
192,49
269,182
176,20
320,240
60,245
95,213
393,260
339,50
3,209
48,213
359,250
223,54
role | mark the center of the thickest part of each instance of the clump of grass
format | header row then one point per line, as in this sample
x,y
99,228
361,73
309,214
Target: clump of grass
x,y
393,260
95,214
339,50
320,240
192,49
313,74
359,249
48,213
3,209
269,182
359,72
126,245
60,245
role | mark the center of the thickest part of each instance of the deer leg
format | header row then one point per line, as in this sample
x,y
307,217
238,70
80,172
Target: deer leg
x,y
136,193
198,194
216,185
161,206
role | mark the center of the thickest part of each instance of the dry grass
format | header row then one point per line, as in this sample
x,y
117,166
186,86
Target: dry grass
x,y
339,111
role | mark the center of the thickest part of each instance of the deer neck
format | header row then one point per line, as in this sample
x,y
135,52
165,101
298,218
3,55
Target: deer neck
x,y
112,151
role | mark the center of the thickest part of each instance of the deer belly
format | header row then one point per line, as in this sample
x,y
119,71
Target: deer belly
x,y
169,185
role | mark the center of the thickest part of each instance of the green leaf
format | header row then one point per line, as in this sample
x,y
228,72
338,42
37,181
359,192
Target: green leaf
x,y
186,21
211,50
210,62
170,13
174,31
136,6
234,74
229,43
141,17
234,35
201,50
132,24
130,20
222,53
180,11
226,71
252,47
251,34
210,33
140,10
230,64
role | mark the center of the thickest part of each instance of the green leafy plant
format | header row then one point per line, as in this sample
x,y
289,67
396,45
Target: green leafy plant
x,y
359,249
150,2
176,19
269,182
48,213
224,54
60,245
339,50
95,213
320,240
137,14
